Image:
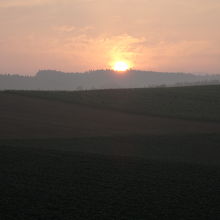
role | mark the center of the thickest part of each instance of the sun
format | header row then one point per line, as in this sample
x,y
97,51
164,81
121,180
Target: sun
x,y
121,66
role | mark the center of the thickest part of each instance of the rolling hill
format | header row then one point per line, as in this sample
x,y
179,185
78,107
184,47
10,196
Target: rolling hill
x,y
110,154
102,79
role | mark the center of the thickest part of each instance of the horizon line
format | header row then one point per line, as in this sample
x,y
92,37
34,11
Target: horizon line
x,y
111,70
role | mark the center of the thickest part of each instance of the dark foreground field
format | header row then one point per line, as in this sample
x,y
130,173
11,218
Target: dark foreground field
x,y
57,184
61,158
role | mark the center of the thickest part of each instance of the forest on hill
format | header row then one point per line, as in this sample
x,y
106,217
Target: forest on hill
x,y
102,79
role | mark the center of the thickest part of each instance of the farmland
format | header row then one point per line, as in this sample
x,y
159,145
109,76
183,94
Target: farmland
x,y
110,154
193,102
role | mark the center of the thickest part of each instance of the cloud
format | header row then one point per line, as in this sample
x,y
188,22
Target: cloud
x,y
84,34
76,50
65,28
72,29
103,50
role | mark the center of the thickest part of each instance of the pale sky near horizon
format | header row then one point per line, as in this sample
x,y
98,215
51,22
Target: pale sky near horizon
x,y
79,35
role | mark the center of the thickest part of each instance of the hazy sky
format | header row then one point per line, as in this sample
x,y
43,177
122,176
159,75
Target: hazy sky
x,y
78,35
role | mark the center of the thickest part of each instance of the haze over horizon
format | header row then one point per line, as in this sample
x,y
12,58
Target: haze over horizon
x,y
79,35
114,72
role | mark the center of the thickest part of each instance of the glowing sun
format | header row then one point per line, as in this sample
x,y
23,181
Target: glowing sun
x,y
121,66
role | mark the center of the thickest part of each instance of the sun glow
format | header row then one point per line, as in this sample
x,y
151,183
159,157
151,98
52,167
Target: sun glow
x,y
121,66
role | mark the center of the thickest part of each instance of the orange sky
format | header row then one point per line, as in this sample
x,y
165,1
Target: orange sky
x,y
78,35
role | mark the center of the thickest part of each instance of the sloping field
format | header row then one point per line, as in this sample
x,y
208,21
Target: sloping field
x,y
31,117
123,154
55,184
193,102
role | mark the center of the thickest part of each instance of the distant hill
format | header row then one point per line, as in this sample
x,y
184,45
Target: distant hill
x,y
102,79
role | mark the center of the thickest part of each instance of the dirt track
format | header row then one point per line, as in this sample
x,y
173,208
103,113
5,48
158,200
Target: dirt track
x,y
23,117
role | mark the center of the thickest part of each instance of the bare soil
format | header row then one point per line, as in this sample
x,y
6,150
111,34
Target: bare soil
x,y
25,117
